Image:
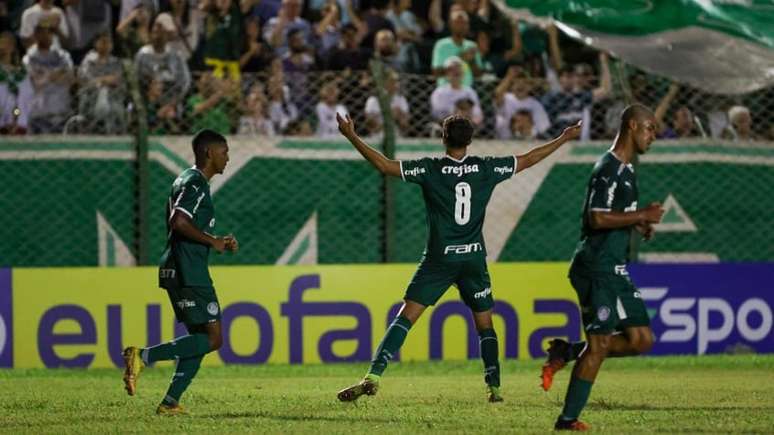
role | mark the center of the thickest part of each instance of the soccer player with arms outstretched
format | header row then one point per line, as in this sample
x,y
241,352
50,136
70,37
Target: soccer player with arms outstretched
x,y
184,273
614,316
456,189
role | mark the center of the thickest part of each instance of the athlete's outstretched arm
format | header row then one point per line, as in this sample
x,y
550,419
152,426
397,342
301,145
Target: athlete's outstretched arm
x,y
377,159
182,224
537,154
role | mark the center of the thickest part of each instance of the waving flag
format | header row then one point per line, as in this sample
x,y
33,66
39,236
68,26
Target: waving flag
x,y
721,46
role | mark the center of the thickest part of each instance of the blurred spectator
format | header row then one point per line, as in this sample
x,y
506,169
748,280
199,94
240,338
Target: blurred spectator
x,y
157,61
318,9
398,105
296,66
386,50
102,88
86,19
277,31
682,124
184,24
255,120
263,10
128,6
512,95
573,101
444,97
256,54
635,90
162,116
282,111
210,106
523,127
222,41
740,125
44,12
328,30
409,34
327,108
376,20
457,46
51,73
348,55
15,88
134,31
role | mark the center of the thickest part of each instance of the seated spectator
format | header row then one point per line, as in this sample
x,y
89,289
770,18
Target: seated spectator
x,y
296,66
184,24
102,88
134,31
511,96
326,110
572,102
398,105
211,105
222,41
157,61
256,54
348,55
162,116
85,20
15,88
51,74
255,119
457,46
44,12
277,31
444,97
740,125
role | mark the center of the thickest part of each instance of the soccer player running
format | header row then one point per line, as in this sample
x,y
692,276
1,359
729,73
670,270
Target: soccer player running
x,y
183,272
456,190
614,316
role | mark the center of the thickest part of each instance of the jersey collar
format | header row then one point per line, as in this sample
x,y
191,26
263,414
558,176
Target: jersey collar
x,y
455,160
200,171
629,166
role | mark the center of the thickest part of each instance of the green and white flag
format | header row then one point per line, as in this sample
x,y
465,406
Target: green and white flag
x,y
720,46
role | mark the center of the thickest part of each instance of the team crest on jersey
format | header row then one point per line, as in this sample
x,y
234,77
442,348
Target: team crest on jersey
x,y
459,171
603,313
212,308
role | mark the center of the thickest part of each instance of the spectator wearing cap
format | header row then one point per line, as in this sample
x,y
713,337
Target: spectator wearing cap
x,y
513,95
102,88
444,97
277,30
457,46
44,12
51,74
739,125
572,101
399,107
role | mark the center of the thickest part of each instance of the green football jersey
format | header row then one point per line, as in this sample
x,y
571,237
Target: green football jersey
x,y
456,194
184,262
612,187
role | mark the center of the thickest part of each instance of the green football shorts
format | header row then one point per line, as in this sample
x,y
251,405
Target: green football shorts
x,y
609,302
432,279
194,305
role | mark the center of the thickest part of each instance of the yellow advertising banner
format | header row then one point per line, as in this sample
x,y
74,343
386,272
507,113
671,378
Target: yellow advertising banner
x,y
83,317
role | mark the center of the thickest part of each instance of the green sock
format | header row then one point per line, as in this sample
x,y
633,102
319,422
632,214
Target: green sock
x,y
185,370
180,348
390,344
577,396
576,350
488,342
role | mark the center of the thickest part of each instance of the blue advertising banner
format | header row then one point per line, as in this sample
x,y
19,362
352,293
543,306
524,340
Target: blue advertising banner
x,y
6,319
708,308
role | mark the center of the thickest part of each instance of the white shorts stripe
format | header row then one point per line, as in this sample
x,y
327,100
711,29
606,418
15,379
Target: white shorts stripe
x,y
619,306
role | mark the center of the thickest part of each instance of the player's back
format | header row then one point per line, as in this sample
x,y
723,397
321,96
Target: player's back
x,y
456,193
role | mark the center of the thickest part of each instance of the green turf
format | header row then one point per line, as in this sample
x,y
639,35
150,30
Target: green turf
x,y
720,394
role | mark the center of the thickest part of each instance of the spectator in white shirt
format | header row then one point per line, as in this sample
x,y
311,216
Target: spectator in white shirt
x,y
444,97
511,96
398,105
44,12
327,109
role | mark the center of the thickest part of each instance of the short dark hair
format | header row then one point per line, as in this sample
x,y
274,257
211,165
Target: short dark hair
x,y
635,112
566,69
203,140
457,131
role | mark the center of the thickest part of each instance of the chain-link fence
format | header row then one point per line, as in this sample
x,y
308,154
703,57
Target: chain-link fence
x,y
295,192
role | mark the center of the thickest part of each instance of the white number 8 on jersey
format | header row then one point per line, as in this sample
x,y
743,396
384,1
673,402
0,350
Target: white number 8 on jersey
x,y
462,206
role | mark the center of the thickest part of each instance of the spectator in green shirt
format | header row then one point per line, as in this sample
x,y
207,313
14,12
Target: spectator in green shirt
x,y
457,45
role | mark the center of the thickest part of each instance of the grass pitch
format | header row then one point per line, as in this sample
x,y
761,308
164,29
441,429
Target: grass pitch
x,y
718,394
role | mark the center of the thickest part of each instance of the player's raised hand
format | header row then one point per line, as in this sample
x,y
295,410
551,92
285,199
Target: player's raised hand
x,y
346,125
653,212
572,132
232,244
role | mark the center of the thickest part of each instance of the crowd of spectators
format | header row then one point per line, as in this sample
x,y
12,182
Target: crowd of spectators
x,y
286,67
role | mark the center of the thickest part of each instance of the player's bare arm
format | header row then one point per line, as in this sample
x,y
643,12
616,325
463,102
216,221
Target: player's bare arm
x,y
617,219
378,160
537,154
182,224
